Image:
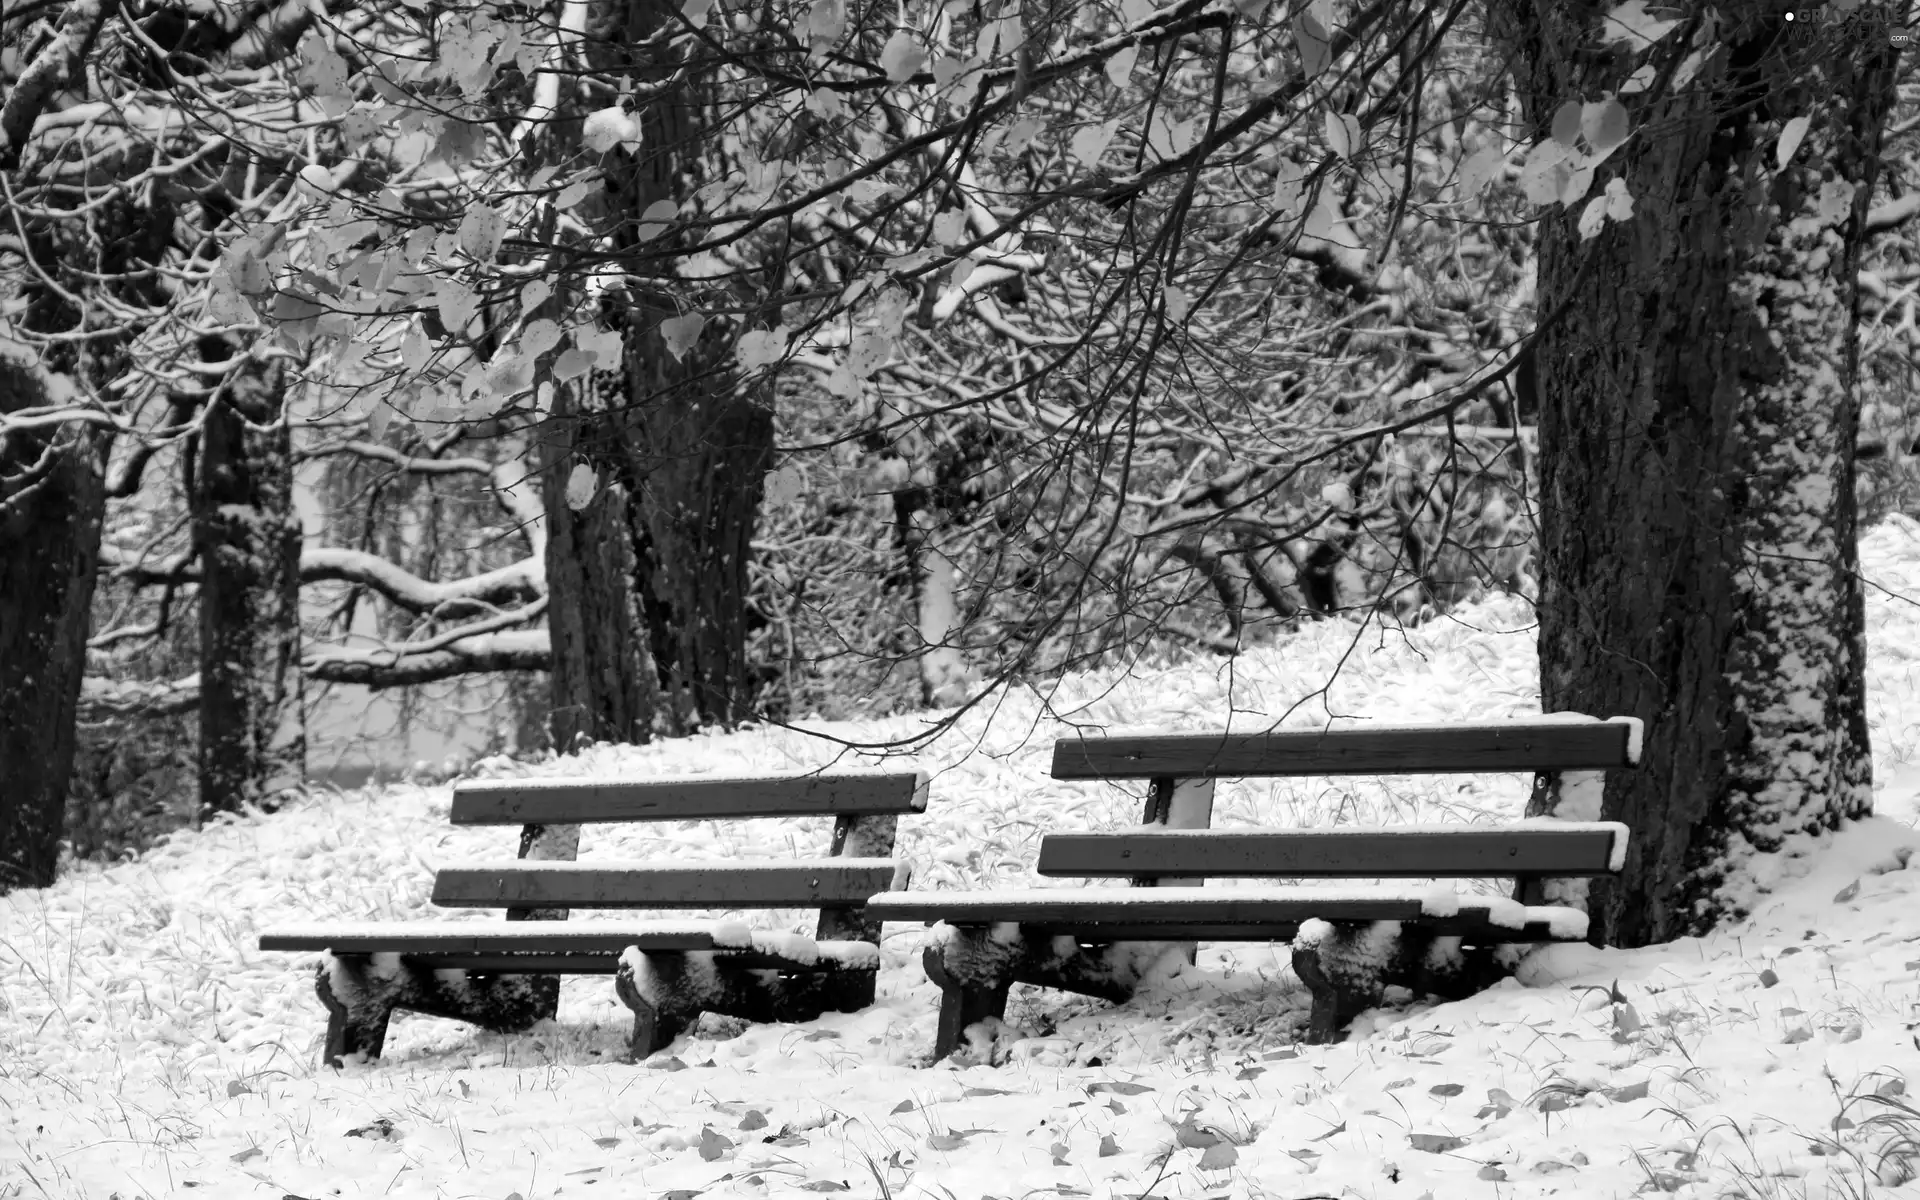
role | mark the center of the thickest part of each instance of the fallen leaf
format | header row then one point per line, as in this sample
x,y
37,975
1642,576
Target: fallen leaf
x,y
1251,1072
946,1141
821,1035
671,1064
1340,1128
1847,893
1193,1137
237,1088
1219,1156
1769,979
1798,1034
1446,1089
986,1091
824,1185
1435,1143
713,1145
380,1130
1119,1088
755,1119
251,1152
606,1143
1398,1083
1493,1171
1108,1147
1629,1093
1059,1152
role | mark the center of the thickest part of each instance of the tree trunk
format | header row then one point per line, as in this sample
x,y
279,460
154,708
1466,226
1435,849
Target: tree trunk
x,y
605,686
685,442
1697,422
252,724
52,500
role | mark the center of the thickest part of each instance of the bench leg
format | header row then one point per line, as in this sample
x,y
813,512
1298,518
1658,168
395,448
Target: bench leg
x,y
962,1002
667,992
1347,967
361,995
1338,996
975,967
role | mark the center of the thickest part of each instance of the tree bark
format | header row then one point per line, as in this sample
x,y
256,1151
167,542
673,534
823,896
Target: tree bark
x,y
681,446
1697,421
52,501
252,722
605,685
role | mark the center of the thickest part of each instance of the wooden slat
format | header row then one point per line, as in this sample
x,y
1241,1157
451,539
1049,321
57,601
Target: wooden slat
x,y
1456,852
701,797
1398,750
1187,914
783,884
488,937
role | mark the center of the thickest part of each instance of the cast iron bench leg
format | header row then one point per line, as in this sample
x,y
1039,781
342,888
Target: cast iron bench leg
x,y
667,992
361,996
975,967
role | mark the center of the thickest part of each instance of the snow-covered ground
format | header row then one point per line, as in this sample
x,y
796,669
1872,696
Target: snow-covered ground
x,y
147,1049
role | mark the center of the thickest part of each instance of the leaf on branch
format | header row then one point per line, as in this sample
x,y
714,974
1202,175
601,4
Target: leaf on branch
x,y
573,193
1592,217
1566,124
1545,174
415,349
1477,172
1289,191
539,337
572,364
950,227
1619,200
1633,24
1604,122
481,231
456,304
654,221
607,128
783,487
1091,142
316,180
1791,136
1316,48
826,21
1578,181
1120,66
868,352
760,348
582,483
1177,304
680,333
1343,134
1136,11
902,57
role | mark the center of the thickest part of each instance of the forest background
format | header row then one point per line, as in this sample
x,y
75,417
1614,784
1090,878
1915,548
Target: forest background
x,y
611,369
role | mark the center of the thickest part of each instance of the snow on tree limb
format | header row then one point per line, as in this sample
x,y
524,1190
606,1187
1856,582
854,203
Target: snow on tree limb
x,y
520,650
60,62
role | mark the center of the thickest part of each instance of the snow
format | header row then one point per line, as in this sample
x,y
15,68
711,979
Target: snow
x,y
148,1049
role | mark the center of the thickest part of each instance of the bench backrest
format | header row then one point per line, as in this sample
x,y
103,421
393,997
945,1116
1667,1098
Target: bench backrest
x,y
866,807
1182,767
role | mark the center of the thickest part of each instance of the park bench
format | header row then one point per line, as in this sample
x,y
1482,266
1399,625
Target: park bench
x,y
1349,942
504,975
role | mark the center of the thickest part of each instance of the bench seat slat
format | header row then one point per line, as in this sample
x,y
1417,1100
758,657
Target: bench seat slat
x,y
608,937
1368,750
564,801
1258,914
1397,852
788,883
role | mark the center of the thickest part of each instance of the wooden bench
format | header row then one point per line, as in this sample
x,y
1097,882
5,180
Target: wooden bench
x,y
1103,941
504,975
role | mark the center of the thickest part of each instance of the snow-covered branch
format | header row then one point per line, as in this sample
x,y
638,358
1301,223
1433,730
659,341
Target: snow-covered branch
x,y
520,650
519,582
